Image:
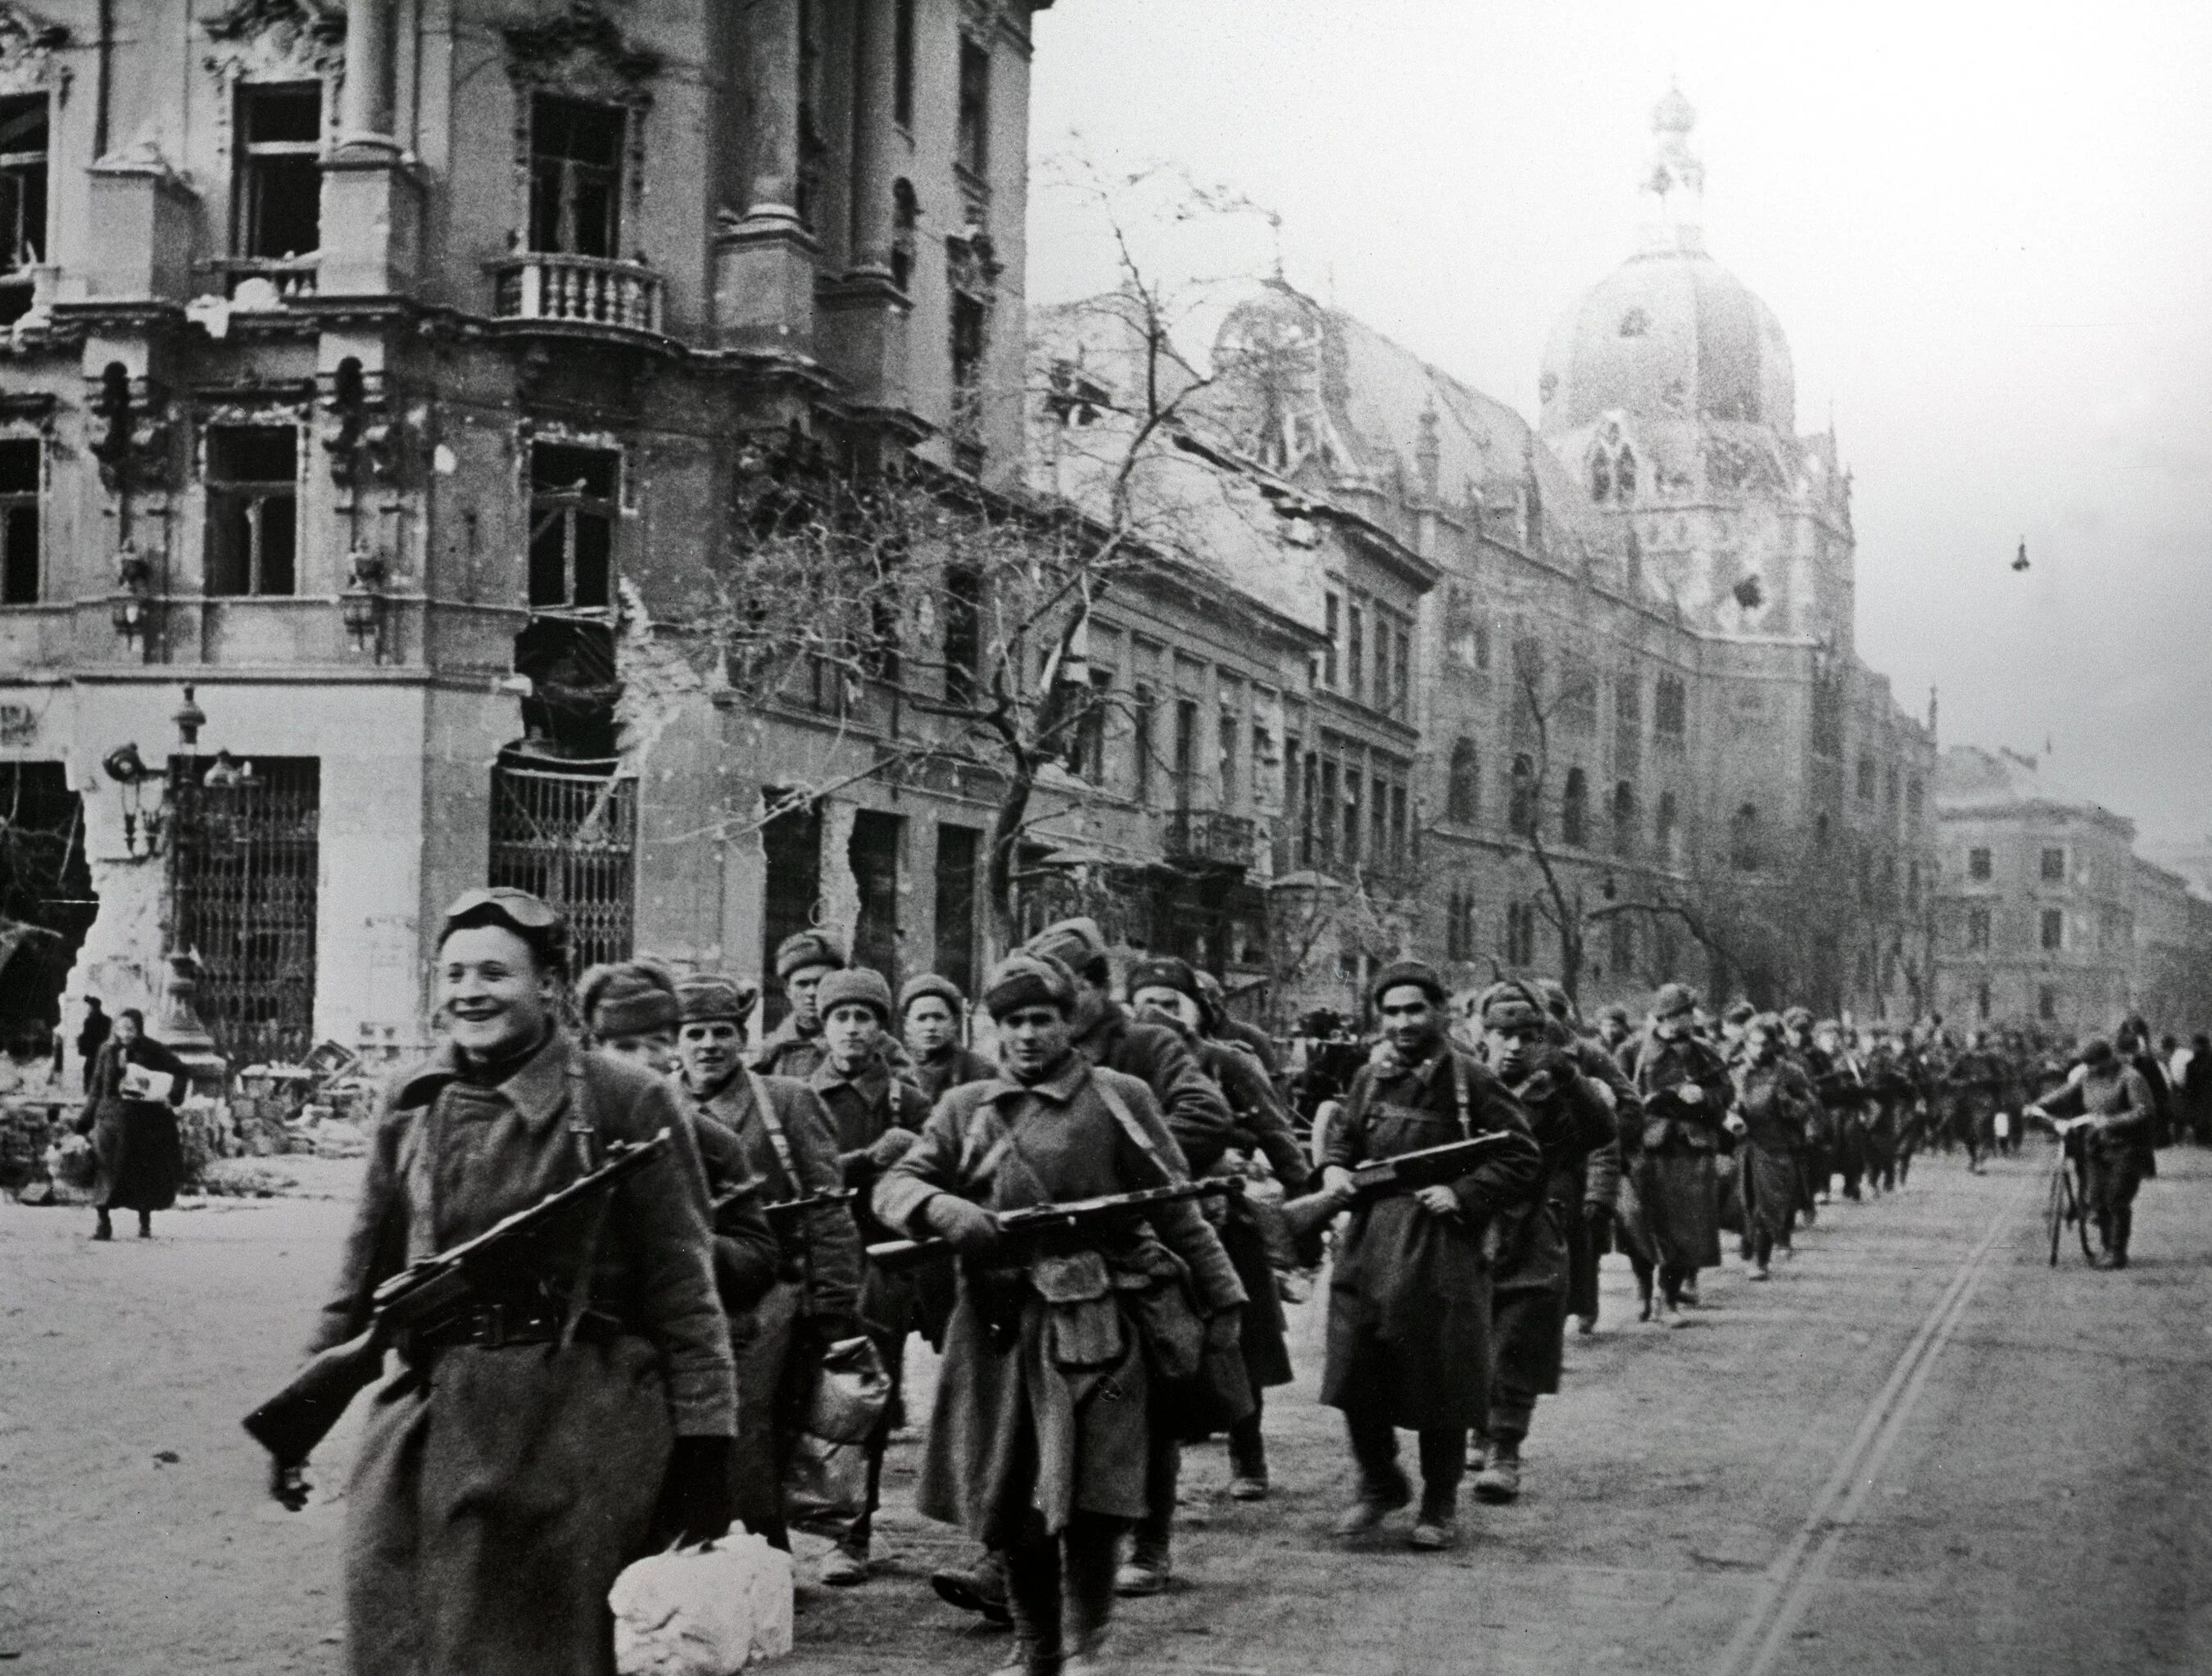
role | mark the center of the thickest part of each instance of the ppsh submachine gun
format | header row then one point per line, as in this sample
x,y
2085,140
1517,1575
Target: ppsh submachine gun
x,y
1388,1178
1072,1225
430,1294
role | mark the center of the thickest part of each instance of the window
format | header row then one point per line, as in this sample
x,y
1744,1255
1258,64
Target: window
x,y
1978,864
278,203
1889,789
1378,841
2054,929
1915,793
1624,475
969,322
575,177
1600,475
1401,826
974,139
1621,932
902,63
2054,866
1325,813
1912,885
1670,709
1982,1001
1186,750
906,222
1140,742
1231,733
1574,809
1520,934
2046,1004
1528,688
1623,819
252,499
1520,795
572,525
1459,925
963,633
1820,833
958,849
22,196
1866,778
1666,830
19,523
1351,787
1977,928
1743,839
1463,788
1627,724
1086,745
1355,654
1330,607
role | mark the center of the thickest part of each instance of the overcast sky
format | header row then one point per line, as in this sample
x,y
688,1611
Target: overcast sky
x,y
1986,229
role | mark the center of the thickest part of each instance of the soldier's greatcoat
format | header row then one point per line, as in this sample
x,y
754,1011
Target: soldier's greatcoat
x,y
1676,1195
1042,1407
499,1491
1571,1122
1409,1299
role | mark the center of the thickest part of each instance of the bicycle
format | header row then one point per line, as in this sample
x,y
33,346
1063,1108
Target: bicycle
x,y
2067,1201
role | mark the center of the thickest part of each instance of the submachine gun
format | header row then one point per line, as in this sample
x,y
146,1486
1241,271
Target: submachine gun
x,y
1072,1225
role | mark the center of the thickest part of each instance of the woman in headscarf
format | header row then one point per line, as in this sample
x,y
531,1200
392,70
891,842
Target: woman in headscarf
x,y
130,1112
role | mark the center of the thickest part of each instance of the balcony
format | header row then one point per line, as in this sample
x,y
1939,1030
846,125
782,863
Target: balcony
x,y
587,293
1208,837
258,283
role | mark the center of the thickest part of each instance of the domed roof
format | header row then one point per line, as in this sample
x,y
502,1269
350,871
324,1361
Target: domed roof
x,y
1670,334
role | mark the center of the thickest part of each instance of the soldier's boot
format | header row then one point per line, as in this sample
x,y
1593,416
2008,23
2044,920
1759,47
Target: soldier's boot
x,y
104,1229
2124,1219
1376,1503
981,1588
1147,1572
1033,1595
1499,1480
1247,1459
1436,1527
1089,1546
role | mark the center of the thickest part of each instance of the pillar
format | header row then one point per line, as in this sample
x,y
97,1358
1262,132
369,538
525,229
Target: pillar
x,y
764,264
863,327
366,114
371,202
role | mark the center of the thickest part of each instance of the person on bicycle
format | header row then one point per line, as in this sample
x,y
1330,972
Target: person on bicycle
x,y
2112,1092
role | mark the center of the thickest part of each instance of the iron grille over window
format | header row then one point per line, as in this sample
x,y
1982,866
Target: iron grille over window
x,y
572,525
279,200
19,523
244,861
572,839
575,177
253,504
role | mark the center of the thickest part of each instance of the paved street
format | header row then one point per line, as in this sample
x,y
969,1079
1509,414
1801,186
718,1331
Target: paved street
x,y
1918,1449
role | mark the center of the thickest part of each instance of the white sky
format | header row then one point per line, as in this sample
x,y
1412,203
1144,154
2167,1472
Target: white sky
x,y
1986,228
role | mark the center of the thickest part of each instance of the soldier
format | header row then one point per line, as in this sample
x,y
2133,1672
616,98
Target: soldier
x,y
1686,1090
1975,1078
1613,1030
1591,1232
1196,1113
508,1476
876,1115
802,961
1168,992
1573,1121
930,1009
2113,1092
1213,1005
1777,1104
785,1138
1409,1299
1040,1426
1820,1126
1735,1020
630,1011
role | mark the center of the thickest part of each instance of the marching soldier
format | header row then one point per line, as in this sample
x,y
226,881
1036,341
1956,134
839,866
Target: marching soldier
x,y
1975,1079
1572,1119
802,961
2106,1087
1776,1104
1040,1437
1409,1300
930,1009
784,1135
1594,1230
516,1466
1686,1090
1819,1127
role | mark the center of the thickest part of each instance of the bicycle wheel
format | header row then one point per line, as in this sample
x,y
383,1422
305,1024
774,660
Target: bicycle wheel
x,y
2080,1182
2057,1204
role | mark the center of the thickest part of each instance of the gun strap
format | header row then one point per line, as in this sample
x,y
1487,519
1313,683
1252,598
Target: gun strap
x,y
1459,1092
773,1125
584,1132
1132,1128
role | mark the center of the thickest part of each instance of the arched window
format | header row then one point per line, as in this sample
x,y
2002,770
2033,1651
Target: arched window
x,y
1463,792
1635,562
906,219
1574,809
1623,819
1743,839
1666,830
1600,475
1521,812
1624,475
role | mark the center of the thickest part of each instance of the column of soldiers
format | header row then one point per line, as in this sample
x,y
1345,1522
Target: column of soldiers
x,y
641,1375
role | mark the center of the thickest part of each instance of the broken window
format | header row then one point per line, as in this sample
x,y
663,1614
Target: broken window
x,y
969,320
19,523
279,198
572,525
974,140
902,63
963,633
23,200
253,510
575,177
872,856
1574,809
791,849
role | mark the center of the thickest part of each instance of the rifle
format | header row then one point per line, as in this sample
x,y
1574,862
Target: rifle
x,y
424,1295
1387,1178
785,1210
1069,1224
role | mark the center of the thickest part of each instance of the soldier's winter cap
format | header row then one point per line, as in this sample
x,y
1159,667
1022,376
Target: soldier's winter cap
x,y
1510,1005
1738,1012
1023,979
855,984
1767,1023
1673,1000
628,999
1166,972
710,997
1399,974
2095,1050
930,984
1075,943
1798,1018
1616,1012
804,948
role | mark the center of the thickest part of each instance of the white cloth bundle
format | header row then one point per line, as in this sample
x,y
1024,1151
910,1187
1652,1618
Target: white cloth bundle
x,y
703,1611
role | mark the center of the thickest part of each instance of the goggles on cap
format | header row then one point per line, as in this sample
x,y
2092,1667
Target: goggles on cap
x,y
517,908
